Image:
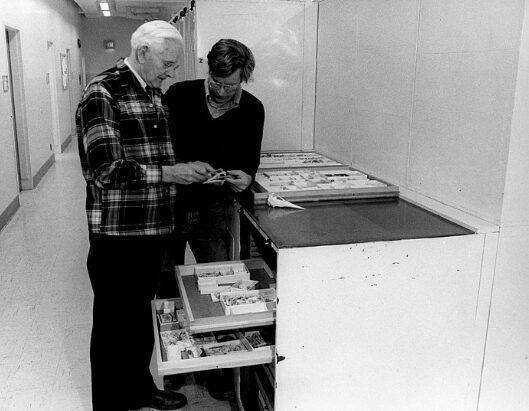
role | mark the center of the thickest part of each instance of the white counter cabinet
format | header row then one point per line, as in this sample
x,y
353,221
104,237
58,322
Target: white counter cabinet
x,y
381,306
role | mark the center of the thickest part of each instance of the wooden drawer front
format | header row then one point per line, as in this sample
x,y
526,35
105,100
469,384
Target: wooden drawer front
x,y
248,357
205,315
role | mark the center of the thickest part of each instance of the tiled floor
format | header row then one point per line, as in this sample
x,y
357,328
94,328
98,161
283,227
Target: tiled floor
x,y
46,300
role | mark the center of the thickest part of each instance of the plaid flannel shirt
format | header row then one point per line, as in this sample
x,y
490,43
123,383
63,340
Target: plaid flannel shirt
x,y
123,142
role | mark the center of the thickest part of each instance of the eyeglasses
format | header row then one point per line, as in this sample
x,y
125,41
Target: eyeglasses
x,y
168,65
215,85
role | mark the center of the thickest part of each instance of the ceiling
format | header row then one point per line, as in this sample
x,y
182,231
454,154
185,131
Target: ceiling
x,y
141,10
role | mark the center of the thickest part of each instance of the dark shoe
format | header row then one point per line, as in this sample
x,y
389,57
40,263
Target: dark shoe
x,y
174,382
163,400
221,394
220,384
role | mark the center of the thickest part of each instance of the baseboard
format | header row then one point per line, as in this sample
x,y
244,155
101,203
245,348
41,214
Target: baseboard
x,y
43,170
9,212
66,142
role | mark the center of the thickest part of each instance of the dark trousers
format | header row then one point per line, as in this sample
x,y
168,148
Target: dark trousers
x,y
124,272
206,231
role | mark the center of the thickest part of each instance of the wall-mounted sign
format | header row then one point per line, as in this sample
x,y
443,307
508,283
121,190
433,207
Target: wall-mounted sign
x,y
110,45
64,71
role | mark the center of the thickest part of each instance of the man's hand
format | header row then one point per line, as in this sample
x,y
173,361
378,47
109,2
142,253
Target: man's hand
x,y
238,180
187,173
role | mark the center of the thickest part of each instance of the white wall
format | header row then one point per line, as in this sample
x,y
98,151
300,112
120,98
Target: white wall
x,y
434,96
516,198
421,93
8,171
38,21
63,22
95,32
282,37
506,370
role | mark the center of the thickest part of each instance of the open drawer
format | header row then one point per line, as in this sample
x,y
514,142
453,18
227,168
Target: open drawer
x,y
240,352
205,315
211,338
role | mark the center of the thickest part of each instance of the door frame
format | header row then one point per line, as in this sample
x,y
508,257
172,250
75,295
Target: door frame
x,y
71,103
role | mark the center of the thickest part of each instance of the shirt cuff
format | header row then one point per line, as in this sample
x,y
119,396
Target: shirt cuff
x,y
153,174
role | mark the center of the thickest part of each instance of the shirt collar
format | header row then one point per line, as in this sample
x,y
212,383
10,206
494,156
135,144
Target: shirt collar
x,y
142,82
236,97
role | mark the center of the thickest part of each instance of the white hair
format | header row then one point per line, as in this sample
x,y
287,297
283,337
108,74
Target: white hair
x,y
153,33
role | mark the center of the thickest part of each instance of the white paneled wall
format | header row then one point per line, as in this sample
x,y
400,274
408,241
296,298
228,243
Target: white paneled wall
x,y
282,36
433,96
506,370
465,79
420,92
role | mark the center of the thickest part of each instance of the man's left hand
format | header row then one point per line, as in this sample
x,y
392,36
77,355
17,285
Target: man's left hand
x,y
238,180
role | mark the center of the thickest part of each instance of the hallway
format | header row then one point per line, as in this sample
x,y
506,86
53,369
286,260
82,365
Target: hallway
x,y
45,296
46,300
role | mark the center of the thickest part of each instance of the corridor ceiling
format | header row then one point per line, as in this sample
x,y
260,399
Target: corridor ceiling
x,y
142,10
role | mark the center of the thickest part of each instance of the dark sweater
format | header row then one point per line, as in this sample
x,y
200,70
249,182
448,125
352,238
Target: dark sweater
x,y
230,142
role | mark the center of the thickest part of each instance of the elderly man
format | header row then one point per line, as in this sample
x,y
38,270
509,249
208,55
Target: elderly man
x,y
216,121
130,169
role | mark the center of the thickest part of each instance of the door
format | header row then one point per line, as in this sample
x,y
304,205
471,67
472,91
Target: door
x,y
51,80
17,109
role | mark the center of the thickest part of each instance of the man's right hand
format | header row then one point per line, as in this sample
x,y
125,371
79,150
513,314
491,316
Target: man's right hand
x,y
187,173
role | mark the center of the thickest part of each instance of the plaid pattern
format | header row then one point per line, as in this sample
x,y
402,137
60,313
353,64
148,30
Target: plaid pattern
x,y
123,142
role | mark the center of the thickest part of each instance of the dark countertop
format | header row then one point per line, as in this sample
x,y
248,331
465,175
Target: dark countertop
x,y
350,221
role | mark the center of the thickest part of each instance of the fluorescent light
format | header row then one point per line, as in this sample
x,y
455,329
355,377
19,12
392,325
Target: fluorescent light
x,y
104,6
106,13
